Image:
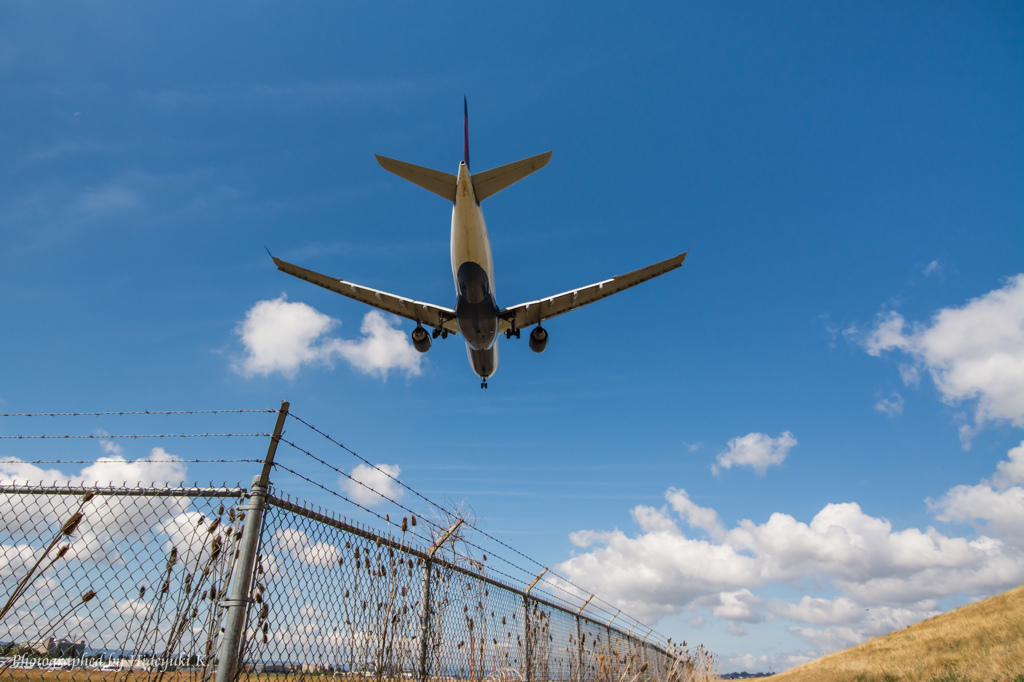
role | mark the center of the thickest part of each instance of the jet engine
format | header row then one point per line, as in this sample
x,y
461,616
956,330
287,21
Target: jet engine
x,y
538,339
420,339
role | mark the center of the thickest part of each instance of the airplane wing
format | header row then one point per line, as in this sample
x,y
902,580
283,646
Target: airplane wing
x,y
428,314
535,312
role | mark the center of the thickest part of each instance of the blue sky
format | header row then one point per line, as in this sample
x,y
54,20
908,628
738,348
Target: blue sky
x,y
839,169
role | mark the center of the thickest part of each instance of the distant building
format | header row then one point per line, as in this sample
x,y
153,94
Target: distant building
x,y
317,668
61,647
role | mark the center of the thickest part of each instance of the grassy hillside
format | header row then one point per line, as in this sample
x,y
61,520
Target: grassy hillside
x,y
982,641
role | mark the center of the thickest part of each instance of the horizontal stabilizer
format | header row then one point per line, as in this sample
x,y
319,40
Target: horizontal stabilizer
x,y
441,184
488,183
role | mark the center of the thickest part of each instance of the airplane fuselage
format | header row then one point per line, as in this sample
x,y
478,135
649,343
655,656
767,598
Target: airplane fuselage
x,y
476,310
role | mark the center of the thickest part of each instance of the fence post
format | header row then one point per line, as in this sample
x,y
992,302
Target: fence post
x,y
237,604
579,635
527,644
425,599
579,644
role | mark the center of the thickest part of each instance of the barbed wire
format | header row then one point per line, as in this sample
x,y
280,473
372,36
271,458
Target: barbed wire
x,y
544,580
397,504
14,460
162,486
385,519
430,502
141,435
123,413
355,480
548,584
475,562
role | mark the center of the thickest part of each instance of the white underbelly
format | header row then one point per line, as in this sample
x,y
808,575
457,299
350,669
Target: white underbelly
x,y
469,240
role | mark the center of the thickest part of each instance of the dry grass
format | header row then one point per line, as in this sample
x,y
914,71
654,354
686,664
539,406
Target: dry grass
x,y
982,641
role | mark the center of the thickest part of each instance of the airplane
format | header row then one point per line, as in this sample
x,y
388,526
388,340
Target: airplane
x,y
476,314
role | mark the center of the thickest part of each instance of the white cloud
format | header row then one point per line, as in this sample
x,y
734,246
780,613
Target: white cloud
x,y
105,517
975,352
853,550
995,505
931,268
108,520
735,629
370,485
112,448
280,336
1011,471
694,515
192,534
741,605
756,450
854,575
820,611
300,546
856,624
650,519
14,558
891,406
383,347
656,573
160,466
13,471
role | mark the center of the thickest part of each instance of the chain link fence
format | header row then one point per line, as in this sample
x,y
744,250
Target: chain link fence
x,y
113,579
133,583
188,583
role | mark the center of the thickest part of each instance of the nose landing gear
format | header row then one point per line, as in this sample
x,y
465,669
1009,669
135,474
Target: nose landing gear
x,y
483,384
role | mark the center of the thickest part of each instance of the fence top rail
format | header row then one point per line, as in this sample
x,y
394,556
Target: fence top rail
x,y
123,413
123,491
424,556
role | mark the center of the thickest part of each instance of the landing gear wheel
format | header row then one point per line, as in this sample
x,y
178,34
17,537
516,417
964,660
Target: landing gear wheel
x,y
483,384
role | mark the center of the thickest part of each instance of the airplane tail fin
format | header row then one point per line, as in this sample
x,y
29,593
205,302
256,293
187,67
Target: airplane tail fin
x,y
485,184
465,138
441,184
488,183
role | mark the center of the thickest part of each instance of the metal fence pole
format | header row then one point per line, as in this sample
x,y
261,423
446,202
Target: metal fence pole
x,y
424,620
579,643
231,645
425,600
527,663
579,634
528,644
